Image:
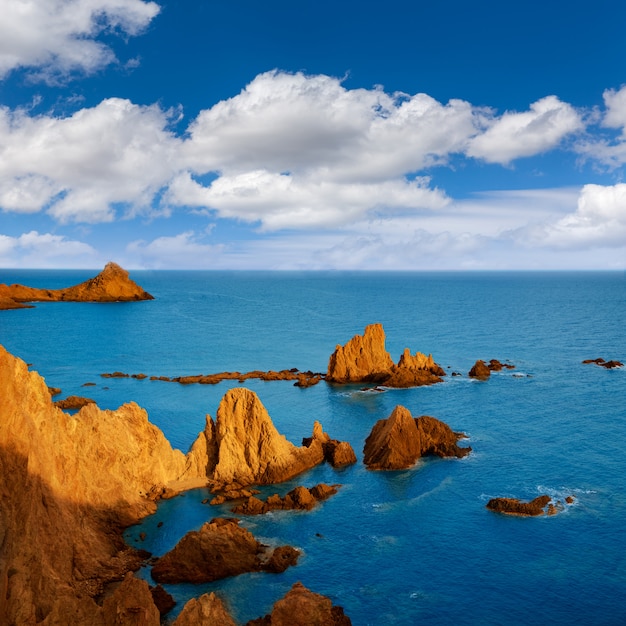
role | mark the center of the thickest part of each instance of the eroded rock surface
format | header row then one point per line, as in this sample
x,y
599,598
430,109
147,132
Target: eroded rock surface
x,y
541,505
207,610
398,441
364,359
112,284
299,498
221,548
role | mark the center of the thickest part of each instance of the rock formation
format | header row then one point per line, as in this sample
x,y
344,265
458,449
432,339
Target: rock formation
x,y
480,370
542,505
207,610
398,441
244,446
300,499
364,359
602,363
73,402
301,607
112,284
71,483
221,548
337,453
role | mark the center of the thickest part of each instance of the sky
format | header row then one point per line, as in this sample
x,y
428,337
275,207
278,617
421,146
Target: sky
x,y
313,135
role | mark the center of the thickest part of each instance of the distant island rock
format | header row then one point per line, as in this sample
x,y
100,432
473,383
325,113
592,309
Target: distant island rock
x,y
400,440
112,284
221,548
606,364
364,359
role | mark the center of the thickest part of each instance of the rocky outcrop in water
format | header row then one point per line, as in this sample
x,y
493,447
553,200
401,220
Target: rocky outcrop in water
x,y
207,610
301,607
299,499
364,359
602,363
221,548
400,440
112,284
541,505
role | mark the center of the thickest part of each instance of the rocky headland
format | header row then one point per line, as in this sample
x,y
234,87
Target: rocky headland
x,y
112,284
72,483
400,440
364,359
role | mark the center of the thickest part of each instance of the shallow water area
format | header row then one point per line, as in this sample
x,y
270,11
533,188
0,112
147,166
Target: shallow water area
x,y
394,548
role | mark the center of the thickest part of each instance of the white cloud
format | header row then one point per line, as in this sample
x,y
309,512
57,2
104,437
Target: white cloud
x,y
599,221
281,201
33,249
82,165
184,250
615,116
58,37
515,135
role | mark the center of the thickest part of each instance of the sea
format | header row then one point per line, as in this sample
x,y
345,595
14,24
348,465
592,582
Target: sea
x,y
408,547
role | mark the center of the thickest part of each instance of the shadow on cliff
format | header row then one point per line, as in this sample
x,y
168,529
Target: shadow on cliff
x,y
56,555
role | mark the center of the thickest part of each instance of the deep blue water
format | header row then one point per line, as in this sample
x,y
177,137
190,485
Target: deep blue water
x,y
397,548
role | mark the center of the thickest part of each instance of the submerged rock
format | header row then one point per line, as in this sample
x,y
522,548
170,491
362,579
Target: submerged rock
x,y
398,441
606,364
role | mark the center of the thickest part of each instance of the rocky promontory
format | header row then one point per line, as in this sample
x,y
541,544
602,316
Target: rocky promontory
x,y
364,359
400,440
71,484
112,284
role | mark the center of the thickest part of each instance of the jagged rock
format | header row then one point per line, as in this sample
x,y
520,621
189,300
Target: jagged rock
x,y
365,359
207,610
496,366
300,498
480,370
398,441
302,607
337,453
247,447
131,604
221,548
112,284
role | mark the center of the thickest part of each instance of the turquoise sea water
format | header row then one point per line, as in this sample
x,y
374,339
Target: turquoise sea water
x,y
397,548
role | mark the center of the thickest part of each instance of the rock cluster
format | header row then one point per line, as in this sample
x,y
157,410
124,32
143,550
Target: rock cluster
x,y
221,548
398,441
541,505
364,359
482,370
602,363
300,498
112,284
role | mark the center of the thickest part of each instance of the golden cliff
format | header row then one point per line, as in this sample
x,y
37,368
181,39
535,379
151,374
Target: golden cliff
x,y
112,284
71,483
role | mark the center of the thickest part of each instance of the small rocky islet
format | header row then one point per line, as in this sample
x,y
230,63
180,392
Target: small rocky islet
x,y
63,555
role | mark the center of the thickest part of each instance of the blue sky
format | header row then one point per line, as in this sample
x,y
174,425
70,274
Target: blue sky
x,y
207,134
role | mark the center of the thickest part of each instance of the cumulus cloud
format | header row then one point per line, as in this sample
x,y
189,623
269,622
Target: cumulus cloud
x,y
281,201
80,167
58,37
515,135
33,249
598,221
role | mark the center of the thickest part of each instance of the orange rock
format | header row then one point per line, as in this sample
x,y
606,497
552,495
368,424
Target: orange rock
x,y
513,506
112,284
207,610
398,441
480,370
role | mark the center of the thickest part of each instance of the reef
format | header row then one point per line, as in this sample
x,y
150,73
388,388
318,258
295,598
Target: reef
x,y
400,440
602,363
112,284
364,359
541,505
299,498
482,370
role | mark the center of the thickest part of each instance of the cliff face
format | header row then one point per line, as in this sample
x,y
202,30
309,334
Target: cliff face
x,y
112,284
398,441
69,484
364,359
